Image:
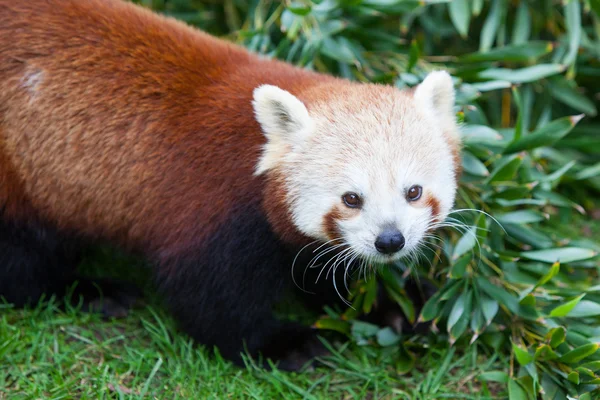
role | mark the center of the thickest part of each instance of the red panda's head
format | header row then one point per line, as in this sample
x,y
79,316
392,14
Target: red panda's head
x,y
367,167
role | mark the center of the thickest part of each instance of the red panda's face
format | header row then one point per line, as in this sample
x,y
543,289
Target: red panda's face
x,y
369,169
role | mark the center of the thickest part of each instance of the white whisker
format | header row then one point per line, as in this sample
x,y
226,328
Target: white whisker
x,y
328,261
294,264
482,212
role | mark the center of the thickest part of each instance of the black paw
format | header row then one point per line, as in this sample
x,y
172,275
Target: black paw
x,y
294,349
109,298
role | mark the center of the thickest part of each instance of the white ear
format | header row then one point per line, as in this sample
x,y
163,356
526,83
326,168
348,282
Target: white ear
x,y
436,95
284,121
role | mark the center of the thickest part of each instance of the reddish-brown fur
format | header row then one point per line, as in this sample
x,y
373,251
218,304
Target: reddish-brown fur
x,y
457,161
330,223
121,125
434,204
147,109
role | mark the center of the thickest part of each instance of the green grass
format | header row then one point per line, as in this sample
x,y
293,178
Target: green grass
x,y
46,353
49,354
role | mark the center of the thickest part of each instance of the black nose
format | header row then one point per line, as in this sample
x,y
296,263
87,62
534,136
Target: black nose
x,y
389,241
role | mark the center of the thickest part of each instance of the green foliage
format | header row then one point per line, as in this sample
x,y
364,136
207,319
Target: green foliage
x,y
49,354
514,277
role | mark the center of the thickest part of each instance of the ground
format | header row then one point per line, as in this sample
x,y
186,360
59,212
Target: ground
x,y
47,353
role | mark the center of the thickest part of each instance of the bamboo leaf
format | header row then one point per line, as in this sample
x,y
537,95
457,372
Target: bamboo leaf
x,y
562,255
364,329
521,217
556,336
573,20
580,353
370,295
465,244
527,74
585,308
461,325
338,50
516,391
522,25
573,377
489,307
459,308
491,85
494,376
522,355
460,14
592,365
387,337
525,52
450,291
477,323
564,309
405,304
431,307
333,324
499,294
544,352
545,136
414,55
551,274
506,169
588,172
472,165
520,114
568,93
476,7
479,134
459,267
299,8
491,25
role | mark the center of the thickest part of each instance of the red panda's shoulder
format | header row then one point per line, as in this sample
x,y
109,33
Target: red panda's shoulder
x,y
151,106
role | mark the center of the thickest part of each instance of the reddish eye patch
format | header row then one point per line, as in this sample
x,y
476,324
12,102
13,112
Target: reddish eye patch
x,y
434,204
330,225
334,216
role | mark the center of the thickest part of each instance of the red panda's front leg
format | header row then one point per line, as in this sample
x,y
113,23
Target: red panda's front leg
x,y
37,262
223,296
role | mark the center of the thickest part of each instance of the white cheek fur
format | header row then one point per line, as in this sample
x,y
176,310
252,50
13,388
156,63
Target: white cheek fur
x,y
377,143
316,194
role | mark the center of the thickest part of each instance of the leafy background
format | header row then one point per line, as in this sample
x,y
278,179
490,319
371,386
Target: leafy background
x,y
517,312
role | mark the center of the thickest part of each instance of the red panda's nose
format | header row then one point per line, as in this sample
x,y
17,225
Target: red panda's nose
x,y
389,241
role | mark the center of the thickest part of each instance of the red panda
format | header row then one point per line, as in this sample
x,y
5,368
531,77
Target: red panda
x,y
216,164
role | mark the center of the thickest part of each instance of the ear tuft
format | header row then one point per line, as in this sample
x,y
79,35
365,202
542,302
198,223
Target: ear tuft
x,y
284,121
278,111
436,93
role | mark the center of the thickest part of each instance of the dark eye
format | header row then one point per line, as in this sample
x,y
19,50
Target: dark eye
x,y
352,200
414,193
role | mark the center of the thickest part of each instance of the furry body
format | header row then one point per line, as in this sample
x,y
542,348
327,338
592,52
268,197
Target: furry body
x,y
120,125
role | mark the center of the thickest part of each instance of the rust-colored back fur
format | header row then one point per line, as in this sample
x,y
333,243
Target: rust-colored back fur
x,y
120,124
